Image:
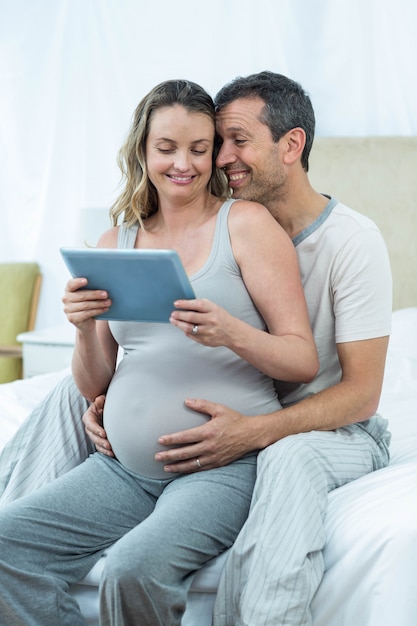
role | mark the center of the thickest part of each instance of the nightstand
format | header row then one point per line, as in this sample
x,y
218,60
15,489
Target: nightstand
x,y
47,350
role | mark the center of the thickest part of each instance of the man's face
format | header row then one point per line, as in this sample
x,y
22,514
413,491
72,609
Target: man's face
x,y
248,154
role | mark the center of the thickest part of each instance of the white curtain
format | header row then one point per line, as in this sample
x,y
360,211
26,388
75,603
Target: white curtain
x,y
72,72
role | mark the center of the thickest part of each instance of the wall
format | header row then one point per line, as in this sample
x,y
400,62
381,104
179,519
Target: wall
x,y
377,176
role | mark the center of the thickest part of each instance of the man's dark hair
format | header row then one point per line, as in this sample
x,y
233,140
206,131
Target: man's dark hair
x,y
287,105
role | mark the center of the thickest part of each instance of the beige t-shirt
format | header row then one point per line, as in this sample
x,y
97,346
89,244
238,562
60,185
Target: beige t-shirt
x,y
347,282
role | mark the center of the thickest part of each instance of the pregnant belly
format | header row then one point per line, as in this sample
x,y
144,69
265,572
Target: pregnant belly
x,y
136,414
143,403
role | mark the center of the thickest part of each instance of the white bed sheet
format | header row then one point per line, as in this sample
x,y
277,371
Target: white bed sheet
x,y
371,551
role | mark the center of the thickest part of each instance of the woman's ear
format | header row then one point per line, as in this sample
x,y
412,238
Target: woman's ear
x,y
295,141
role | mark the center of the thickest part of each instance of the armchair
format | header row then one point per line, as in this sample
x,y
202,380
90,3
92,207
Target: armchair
x,y
19,287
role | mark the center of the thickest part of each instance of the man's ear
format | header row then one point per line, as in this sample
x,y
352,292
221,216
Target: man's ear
x,y
295,141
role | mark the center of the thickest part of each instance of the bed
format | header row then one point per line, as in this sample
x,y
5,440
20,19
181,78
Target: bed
x,y
371,551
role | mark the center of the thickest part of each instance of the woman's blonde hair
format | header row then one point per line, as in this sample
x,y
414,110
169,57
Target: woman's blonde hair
x,y
139,198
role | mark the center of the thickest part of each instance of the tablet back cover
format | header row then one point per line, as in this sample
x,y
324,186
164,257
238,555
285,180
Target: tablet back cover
x,y
142,284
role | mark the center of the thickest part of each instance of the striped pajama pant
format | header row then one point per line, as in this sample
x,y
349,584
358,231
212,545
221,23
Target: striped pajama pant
x,y
275,565
50,442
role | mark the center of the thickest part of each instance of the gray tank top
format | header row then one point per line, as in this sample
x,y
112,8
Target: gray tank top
x,y
161,366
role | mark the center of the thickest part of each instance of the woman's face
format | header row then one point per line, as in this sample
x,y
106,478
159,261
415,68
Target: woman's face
x,y
179,151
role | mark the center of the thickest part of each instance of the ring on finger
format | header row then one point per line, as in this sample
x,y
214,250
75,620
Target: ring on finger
x,y
197,462
195,329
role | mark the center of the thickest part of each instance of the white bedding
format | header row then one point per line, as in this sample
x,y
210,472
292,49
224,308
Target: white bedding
x,y
371,551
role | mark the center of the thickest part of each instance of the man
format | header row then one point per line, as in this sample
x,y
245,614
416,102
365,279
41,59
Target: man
x,y
327,433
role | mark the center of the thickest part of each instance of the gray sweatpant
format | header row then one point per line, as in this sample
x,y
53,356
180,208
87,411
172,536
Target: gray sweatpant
x,y
158,532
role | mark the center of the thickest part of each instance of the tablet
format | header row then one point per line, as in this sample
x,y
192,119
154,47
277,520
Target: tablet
x,y
142,284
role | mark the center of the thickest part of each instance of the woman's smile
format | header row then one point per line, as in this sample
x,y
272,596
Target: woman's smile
x,y
182,180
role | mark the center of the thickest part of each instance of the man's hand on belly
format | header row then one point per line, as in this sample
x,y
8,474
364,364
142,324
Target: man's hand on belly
x,y
226,437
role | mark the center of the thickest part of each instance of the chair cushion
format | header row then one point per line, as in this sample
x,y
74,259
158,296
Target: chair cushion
x,y
17,283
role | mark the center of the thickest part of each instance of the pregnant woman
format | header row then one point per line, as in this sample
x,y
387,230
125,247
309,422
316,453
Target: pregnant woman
x,y
247,325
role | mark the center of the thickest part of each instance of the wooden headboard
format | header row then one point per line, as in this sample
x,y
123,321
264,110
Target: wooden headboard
x,y
377,176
